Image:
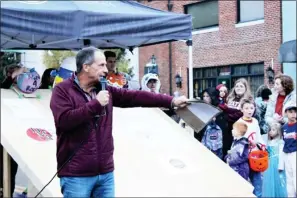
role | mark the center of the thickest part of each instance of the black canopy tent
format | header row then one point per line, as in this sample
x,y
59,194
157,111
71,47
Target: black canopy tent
x,y
72,25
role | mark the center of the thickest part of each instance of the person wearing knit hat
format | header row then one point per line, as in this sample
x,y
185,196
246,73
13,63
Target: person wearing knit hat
x,y
223,93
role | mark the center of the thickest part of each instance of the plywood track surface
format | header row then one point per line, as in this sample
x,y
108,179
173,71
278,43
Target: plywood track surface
x,y
154,156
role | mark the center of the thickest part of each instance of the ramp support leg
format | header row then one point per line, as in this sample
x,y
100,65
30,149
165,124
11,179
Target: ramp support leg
x,y
6,174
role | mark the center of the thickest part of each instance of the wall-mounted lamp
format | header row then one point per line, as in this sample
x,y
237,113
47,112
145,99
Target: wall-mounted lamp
x,y
153,60
178,80
270,75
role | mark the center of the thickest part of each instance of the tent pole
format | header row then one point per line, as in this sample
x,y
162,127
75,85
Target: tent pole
x,y
190,85
57,42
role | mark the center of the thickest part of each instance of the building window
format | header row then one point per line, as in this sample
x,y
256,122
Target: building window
x,y
204,14
153,70
254,73
250,10
211,77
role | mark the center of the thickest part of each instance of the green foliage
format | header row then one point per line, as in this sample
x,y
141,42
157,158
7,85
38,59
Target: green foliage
x,y
122,62
8,58
55,59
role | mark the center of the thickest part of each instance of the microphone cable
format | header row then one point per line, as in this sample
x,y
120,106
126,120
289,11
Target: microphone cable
x,y
64,164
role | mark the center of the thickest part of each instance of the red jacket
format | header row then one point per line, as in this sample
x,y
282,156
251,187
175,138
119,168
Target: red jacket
x,y
76,120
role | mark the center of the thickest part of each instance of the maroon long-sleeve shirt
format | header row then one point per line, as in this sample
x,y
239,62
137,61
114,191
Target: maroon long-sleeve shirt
x,y
76,120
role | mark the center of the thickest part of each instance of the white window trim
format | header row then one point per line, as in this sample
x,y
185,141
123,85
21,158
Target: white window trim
x,y
249,23
206,30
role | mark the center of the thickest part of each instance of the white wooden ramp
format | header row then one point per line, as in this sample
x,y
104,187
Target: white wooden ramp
x,y
154,156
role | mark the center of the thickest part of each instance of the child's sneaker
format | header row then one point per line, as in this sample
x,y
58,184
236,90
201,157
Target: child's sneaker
x,y
20,195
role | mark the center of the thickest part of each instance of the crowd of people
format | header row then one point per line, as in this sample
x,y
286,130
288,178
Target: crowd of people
x,y
266,122
232,136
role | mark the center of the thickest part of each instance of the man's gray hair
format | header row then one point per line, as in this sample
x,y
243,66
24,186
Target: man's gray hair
x,y
85,56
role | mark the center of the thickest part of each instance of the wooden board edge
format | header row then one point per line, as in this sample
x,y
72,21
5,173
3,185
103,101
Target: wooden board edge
x,y
19,93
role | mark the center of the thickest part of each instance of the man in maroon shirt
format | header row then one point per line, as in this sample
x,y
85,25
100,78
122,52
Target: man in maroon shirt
x,y
82,112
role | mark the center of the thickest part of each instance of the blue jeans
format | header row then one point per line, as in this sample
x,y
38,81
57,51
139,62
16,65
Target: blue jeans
x,y
256,179
96,186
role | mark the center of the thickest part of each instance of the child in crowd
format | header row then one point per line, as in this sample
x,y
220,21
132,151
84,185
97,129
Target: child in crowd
x,y
254,136
274,182
237,156
223,93
289,151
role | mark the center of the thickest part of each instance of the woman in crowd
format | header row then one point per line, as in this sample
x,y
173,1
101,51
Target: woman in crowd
x,y
282,94
211,96
231,108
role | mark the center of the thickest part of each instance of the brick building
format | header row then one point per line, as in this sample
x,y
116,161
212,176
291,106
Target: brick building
x,y
231,39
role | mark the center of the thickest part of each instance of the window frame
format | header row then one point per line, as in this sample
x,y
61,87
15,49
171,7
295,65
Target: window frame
x,y
248,76
238,13
197,3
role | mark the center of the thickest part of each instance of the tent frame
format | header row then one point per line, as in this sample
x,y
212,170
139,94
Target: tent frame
x,y
86,42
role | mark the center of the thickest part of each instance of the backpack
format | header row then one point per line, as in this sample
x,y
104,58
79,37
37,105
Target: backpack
x,y
212,138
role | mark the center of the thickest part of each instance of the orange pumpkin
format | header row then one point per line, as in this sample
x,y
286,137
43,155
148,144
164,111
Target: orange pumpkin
x,y
258,160
115,79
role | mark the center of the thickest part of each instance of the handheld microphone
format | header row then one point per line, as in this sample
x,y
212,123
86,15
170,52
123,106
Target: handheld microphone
x,y
103,82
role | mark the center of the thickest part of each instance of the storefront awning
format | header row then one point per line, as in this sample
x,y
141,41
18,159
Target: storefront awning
x,y
287,52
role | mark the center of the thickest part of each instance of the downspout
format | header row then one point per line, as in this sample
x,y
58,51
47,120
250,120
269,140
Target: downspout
x,y
170,68
169,6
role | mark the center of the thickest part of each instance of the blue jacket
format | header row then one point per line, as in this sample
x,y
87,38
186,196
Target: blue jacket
x,y
289,135
237,157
